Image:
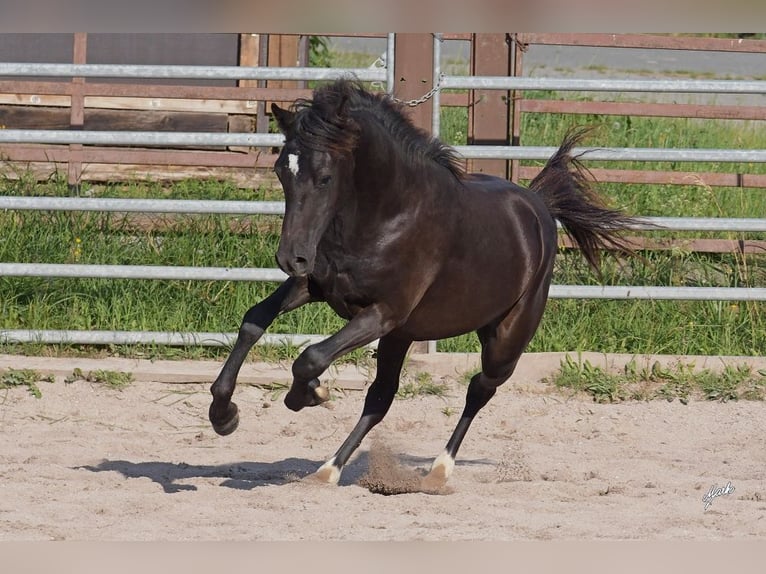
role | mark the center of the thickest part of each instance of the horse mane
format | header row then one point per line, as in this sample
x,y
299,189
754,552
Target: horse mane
x,y
327,123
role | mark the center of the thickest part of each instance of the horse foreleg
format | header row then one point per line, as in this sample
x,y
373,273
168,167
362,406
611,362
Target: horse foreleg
x,y
380,395
369,324
289,295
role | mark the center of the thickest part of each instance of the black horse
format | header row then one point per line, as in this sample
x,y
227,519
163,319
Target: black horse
x,y
382,224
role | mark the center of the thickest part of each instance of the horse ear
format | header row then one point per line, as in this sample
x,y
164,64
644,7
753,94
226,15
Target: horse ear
x,y
284,117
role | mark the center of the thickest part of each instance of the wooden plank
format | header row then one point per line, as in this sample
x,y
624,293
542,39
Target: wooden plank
x,y
129,96
647,41
172,104
17,99
91,154
712,179
489,114
249,56
698,245
166,104
113,173
698,111
18,117
283,52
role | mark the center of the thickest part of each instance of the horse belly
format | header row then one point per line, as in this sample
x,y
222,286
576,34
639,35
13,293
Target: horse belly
x,y
483,283
451,308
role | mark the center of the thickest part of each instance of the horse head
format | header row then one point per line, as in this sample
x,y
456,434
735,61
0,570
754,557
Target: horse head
x,y
313,167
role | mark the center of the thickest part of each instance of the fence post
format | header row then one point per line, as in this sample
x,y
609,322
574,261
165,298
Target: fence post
x,y
413,78
519,47
413,74
489,110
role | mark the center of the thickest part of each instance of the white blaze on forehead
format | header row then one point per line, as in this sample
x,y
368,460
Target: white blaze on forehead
x,y
292,163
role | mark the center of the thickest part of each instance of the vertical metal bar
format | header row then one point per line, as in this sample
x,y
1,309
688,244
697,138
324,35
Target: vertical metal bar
x,y
436,113
390,56
436,123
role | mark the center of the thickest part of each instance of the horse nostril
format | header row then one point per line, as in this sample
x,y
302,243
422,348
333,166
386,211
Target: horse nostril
x,y
300,265
293,265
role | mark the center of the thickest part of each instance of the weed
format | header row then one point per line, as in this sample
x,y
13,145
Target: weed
x,y
602,386
680,382
24,378
421,384
117,380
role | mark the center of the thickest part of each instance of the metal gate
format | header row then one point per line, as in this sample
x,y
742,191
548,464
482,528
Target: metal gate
x,y
384,75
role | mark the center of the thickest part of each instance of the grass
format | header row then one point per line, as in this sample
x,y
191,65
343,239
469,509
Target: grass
x,y
419,385
680,381
117,380
24,378
675,327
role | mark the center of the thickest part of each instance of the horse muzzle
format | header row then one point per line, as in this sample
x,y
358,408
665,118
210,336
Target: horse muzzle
x,y
294,264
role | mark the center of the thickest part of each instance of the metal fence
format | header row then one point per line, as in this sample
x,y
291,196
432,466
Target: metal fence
x,y
385,76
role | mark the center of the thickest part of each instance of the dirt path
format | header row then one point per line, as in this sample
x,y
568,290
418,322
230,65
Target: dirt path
x,y
89,463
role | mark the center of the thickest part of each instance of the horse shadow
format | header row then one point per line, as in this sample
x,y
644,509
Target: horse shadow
x,y
174,477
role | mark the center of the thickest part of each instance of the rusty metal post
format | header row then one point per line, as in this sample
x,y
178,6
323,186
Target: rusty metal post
x,y
413,74
413,78
519,47
489,112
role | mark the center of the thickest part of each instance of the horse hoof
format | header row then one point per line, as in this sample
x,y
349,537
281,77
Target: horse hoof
x,y
321,395
328,473
441,470
314,394
433,482
230,423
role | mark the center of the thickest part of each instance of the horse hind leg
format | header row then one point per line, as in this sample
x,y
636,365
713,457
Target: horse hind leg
x,y
502,345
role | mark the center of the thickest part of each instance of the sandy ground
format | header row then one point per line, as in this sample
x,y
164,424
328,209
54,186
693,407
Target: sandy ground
x,y
88,463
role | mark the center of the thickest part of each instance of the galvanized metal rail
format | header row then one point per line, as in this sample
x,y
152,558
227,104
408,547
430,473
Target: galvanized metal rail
x,y
376,74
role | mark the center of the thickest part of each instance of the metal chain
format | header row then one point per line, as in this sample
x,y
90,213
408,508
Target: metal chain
x,y
380,62
424,98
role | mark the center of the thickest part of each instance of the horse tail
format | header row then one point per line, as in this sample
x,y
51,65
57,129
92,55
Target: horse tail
x,y
570,199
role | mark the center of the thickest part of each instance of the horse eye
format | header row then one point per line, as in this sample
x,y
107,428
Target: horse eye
x,y
324,180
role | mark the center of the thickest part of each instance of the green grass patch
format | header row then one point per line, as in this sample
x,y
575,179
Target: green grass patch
x,y
680,381
117,380
422,384
24,378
